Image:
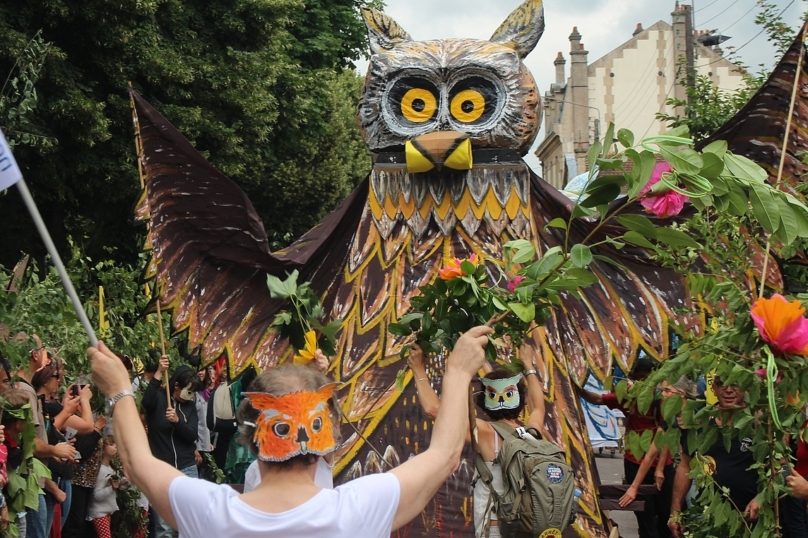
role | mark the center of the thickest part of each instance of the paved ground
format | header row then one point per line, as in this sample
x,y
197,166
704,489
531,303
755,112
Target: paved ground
x,y
611,472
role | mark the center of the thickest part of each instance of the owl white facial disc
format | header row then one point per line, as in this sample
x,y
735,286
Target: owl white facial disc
x,y
501,393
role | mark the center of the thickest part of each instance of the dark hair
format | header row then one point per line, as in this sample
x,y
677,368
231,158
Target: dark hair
x,y
186,377
503,414
279,381
643,365
44,374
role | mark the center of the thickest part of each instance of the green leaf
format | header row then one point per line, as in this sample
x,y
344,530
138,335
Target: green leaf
x,y
593,154
608,139
764,207
398,329
676,238
277,289
581,255
636,239
525,312
626,138
671,407
639,224
579,211
524,255
618,180
543,266
788,221
584,277
467,267
686,161
604,195
400,379
745,169
557,223
713,165
645,398
738,203
718,148
621,390
641,170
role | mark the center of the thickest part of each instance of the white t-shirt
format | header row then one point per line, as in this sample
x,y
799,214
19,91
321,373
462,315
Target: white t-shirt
x,y
363,507
323,477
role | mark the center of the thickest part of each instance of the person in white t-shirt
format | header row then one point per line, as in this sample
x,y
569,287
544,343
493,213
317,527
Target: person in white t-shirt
x,y
287,502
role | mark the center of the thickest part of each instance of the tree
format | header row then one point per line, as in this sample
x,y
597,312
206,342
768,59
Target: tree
x,y
262,89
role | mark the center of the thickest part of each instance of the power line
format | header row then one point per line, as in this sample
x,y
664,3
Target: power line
x,y
721,13
705,7
753,38
739,20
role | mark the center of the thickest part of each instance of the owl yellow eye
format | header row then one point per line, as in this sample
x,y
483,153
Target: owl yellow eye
x,y
467,106
418,105
317,425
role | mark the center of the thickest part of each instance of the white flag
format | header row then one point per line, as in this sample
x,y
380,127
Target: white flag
x,y
9,172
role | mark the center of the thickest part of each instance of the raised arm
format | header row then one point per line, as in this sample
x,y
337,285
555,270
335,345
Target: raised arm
x,y
421,476
427,396
535,401
152,476
592,397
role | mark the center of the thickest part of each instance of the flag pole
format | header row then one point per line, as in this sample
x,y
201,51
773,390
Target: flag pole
x,y
57,261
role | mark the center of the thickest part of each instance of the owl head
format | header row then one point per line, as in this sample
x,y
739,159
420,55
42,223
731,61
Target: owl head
x,y
478,90
293,424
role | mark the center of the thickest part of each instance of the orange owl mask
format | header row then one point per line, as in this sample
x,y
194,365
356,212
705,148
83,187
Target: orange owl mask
x,y
293,424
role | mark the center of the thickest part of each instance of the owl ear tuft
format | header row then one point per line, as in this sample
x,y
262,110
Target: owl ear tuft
x,y
522,29
326,391
383,32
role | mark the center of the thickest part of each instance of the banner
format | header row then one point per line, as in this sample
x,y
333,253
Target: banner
x,y
9,171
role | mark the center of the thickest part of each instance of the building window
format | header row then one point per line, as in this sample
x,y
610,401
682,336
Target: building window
x,y
611,75
661,74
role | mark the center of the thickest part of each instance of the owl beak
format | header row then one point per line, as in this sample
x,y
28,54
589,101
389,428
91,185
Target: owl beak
x,y
438,149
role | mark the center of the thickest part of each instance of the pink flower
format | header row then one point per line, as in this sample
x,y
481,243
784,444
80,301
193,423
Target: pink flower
x,y
515,282
666,204
761,373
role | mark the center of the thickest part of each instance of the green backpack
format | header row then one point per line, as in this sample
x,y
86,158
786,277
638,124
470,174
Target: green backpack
x,y
539,497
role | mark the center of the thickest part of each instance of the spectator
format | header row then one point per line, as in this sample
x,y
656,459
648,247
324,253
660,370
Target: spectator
x,y
653,521
172,424
57,417
729,469
37,520
103,503
84,477
287,503
13,424
530,393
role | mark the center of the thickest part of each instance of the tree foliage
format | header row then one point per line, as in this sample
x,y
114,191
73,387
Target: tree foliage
x,y
258,87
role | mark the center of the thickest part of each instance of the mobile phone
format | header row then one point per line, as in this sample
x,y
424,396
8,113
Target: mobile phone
x,y
74,390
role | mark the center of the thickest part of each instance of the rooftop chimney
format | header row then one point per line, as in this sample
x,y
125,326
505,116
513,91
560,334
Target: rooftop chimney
x,y
638,30
559,63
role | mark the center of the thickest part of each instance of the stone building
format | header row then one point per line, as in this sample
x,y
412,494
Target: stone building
x,y
627,86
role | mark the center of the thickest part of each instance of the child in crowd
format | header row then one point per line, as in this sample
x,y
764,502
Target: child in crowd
x,y
104,503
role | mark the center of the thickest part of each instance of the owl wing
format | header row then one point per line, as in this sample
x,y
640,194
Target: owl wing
x,y
210,253
757,131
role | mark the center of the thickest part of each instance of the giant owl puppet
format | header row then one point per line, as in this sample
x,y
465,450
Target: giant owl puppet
x,y
448,122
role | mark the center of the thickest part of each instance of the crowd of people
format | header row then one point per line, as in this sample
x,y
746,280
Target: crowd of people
x,y
261,431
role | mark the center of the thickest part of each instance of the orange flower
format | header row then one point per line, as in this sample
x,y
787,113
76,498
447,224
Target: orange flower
x,y
453,269
782,324
306,355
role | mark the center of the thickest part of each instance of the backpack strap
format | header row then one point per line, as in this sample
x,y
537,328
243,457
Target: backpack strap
x,y
504,429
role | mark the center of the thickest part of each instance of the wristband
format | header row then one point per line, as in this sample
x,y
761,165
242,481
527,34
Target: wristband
x,y
528,372
112,401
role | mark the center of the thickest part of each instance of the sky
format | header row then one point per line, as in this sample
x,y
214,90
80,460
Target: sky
x,y
604,25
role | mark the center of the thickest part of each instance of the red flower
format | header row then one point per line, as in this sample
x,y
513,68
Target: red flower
x,y
665,204
515,282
